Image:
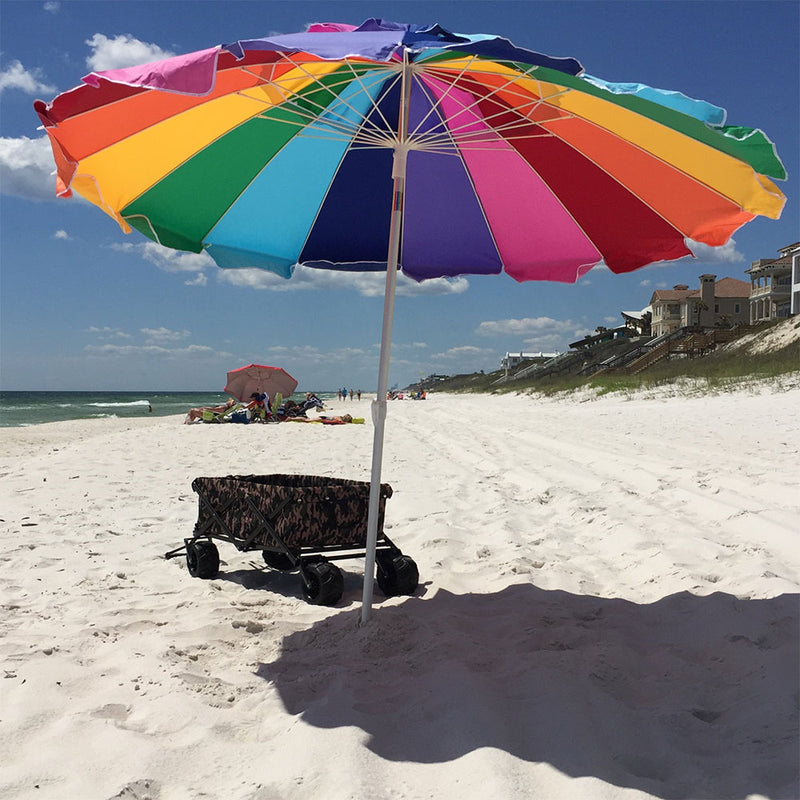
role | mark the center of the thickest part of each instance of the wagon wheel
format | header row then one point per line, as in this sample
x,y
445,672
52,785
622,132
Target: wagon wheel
x,y
202,558
280,561
397,573
321,582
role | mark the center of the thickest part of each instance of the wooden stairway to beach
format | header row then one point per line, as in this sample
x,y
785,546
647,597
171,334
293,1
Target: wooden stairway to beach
x,y
691,345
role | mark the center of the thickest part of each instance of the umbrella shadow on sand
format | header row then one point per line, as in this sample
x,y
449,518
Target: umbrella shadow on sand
x,y
686,697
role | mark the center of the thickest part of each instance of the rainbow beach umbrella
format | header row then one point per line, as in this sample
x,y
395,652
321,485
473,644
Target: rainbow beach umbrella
x,y
406,147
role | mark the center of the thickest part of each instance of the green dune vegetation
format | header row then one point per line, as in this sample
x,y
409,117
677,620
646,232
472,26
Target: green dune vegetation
x,y
769,353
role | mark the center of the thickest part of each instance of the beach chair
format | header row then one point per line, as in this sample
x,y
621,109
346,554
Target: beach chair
x,y
213,416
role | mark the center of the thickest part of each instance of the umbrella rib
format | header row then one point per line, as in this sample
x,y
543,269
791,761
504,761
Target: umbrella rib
x,y
451,83
379,134
434,108
337,127
463,135
345,124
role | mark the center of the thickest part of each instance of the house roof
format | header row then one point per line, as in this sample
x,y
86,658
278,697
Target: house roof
x,y
723,288
730,287
763,263
663,295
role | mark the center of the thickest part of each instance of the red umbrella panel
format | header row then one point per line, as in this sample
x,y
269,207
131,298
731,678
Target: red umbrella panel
x,y
244,381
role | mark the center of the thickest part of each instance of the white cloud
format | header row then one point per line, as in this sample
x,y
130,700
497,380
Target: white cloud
x,y
16,76
157,342
703,253
27,168
152,350
167,259
538,334
406,346
461,359
121,51
63,235
310,355
52,7
726,254
552,342
460,352
108,333
163,335
520,327
434,286
252,278
368,284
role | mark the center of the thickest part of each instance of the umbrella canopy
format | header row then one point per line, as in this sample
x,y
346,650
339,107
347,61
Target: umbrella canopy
x,y
406,147
276,151
256,378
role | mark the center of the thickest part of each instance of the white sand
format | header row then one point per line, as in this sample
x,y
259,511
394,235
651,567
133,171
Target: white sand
x,y
608,609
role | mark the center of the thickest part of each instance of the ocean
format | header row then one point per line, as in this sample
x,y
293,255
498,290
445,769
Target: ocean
x,y
34,408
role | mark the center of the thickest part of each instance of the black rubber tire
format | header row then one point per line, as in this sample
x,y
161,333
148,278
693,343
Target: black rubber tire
x,y
279,561
202,558
397,573
321,582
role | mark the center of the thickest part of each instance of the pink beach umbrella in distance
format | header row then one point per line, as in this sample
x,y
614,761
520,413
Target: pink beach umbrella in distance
x,y
401,147
244,381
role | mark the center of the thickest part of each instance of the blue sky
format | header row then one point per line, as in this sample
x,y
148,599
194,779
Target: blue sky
x,y
83,306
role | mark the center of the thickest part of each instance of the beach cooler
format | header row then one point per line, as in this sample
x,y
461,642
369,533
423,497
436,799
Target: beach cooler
x,y
299,523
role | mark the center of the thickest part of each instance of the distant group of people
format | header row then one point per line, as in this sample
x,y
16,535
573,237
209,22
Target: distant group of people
x,y
260,409
393,395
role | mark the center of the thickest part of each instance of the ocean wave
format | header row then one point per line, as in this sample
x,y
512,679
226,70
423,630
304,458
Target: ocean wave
x,y
120,405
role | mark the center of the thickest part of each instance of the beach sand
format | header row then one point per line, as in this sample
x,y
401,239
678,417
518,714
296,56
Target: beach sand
x,y
608,608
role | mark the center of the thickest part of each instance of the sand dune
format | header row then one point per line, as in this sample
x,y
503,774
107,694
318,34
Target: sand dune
x,y
608,608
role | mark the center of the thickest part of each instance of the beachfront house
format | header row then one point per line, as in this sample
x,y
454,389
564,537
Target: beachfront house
x,y
771,286
717,303
511,360
794,251
638,321
604,335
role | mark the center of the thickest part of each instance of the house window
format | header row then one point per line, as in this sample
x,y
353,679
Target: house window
x,y
716,308
737,308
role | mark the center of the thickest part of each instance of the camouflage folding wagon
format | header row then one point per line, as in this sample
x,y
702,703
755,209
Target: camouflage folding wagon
x,y
299,522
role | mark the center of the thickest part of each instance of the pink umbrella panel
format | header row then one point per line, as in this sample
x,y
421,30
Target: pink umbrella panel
x,y
258,378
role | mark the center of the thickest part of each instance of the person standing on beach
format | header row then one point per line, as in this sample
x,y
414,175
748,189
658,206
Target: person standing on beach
x,y
351,395
359,394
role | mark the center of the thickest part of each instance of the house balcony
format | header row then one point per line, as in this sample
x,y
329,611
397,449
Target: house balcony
x,y
776,291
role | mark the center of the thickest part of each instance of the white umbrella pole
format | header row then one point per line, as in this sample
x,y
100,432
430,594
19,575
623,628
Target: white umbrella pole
x,y
379,404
